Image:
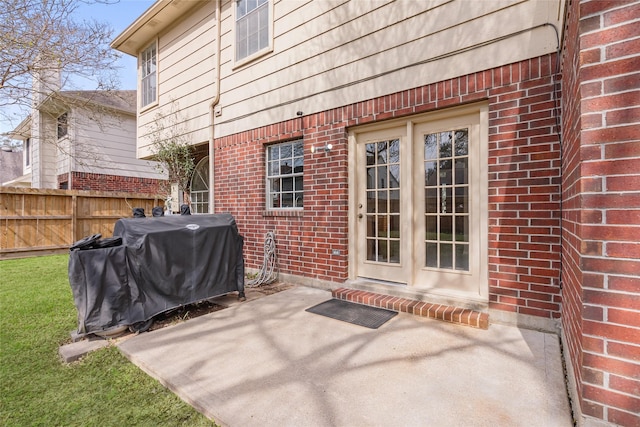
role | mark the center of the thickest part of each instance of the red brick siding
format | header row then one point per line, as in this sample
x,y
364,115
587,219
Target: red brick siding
x,y
100,182
572,277
601,201
524,190
524,183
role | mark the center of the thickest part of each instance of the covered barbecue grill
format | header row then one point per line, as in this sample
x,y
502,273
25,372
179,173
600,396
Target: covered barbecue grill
x,y
162,263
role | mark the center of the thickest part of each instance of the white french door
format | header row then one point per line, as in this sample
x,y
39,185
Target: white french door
x,y
420,203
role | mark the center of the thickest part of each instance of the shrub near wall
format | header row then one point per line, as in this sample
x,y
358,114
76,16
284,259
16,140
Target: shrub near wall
x,y
524,193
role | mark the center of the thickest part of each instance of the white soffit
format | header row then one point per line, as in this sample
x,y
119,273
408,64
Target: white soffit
x,y
162,14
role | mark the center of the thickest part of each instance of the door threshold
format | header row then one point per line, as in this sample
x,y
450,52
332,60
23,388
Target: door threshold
x,y
362,279
404,291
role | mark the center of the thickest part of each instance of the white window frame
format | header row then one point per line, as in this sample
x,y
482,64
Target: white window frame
x,y
273,164
148,75
239,16
62,123
200,197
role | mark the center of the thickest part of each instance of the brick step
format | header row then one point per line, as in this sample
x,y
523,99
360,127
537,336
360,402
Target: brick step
x,y
447,313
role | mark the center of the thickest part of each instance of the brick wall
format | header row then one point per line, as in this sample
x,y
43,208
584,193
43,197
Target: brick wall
x,y
524,186
571,205
524,190
100,182
601,192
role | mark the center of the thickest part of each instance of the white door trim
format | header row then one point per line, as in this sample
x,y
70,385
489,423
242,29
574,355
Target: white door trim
x,y
480,110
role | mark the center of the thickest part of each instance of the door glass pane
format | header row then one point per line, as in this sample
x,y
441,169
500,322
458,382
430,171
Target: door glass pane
x,y
446,193
430,174
383,201
371,249
394,176
462,257
431,200
371,226
371,201
394,251
382,226
383,181
446,201
462,228
432,255
446,255
370,150
462,200
382,152
446,139
446,228
462,171
382,251
462,142
394,226
394,201
432,227
446,173
431,147
394,151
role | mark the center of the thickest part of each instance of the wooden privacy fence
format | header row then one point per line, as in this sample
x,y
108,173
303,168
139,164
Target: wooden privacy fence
x,y
41,221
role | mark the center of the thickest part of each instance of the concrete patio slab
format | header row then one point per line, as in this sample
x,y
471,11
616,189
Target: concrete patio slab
x,y
267,362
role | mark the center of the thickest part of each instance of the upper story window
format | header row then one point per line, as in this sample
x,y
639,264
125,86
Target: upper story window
x,y
63,125
252,27
285,164
148,79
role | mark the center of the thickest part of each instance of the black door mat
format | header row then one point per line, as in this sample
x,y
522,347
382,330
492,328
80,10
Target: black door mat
x,y
358,314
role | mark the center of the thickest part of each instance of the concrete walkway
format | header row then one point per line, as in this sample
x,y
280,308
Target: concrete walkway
x,y
267,362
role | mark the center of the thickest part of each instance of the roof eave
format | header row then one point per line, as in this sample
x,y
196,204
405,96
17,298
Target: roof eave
x,y
153,21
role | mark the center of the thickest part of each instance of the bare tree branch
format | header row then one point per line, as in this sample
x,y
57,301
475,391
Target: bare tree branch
x,y
42,36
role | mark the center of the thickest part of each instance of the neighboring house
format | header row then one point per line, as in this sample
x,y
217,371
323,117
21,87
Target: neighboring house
x,y
10,163
83,140
477,154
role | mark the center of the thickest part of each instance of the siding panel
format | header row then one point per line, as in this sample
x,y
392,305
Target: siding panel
x,y
377,44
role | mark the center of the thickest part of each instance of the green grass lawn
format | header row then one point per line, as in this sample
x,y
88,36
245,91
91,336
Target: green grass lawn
x,y
36,388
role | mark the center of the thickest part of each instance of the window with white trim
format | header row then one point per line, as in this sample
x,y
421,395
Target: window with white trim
x,y
63,125
285,165
148,80
252,27
200,188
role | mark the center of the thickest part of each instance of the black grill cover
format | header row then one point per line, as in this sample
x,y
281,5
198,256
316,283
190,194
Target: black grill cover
x,y
163,263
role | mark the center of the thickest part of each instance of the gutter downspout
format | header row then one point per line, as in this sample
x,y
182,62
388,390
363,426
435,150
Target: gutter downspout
x,y
214,102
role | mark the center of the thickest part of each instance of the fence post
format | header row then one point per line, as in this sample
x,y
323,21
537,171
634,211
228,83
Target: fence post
x,y
74,218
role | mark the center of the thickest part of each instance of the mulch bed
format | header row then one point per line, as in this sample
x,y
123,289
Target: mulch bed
x,y
184,313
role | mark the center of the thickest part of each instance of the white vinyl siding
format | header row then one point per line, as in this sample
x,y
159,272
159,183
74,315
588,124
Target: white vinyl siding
x,y
336,52
109,148
330,53
187,75
148,75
